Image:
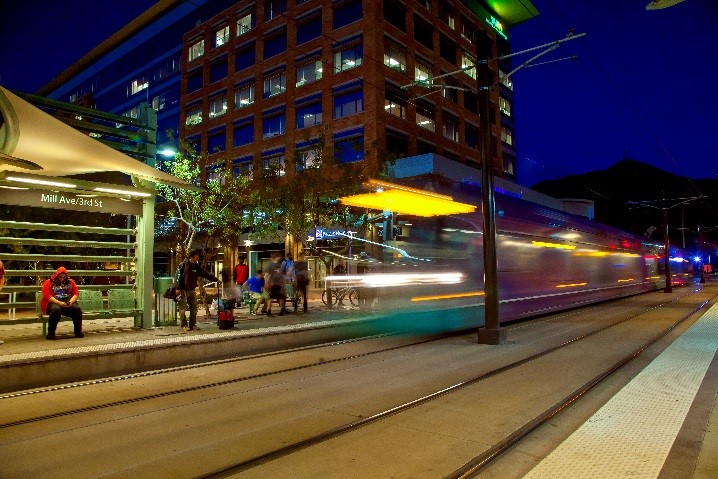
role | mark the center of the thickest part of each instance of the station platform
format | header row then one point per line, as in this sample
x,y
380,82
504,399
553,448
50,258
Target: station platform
x,y
662,424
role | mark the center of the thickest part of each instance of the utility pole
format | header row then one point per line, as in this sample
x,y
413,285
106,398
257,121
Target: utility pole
x,y
492,333
666,241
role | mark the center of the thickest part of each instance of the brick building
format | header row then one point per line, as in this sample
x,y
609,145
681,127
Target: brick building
x,y
266,81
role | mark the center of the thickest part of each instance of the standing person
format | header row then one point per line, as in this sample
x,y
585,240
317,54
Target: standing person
x,y
255,286
59,298
2,280
287,264
189,272
241,272
274,285
301,269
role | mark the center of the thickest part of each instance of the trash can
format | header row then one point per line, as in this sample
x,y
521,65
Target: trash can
x,y
165,309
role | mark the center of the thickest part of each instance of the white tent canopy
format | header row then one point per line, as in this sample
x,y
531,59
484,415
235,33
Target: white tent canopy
x,y
28,134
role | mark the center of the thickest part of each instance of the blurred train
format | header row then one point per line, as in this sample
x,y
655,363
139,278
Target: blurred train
x,y
548,261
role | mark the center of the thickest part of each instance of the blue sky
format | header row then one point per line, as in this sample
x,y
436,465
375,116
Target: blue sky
x,y
643,86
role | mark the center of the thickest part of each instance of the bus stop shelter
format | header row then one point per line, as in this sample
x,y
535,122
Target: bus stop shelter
x,y
46,163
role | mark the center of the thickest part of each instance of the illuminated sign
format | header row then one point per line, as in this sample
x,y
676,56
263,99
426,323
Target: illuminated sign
x,y
496,25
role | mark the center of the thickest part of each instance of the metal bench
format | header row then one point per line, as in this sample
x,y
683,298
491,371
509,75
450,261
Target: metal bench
x,y
120,303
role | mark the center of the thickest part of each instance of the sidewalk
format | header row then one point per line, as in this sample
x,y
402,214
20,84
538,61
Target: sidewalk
x,y
25,338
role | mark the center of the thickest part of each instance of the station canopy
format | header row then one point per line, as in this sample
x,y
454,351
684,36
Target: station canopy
x,y
35,143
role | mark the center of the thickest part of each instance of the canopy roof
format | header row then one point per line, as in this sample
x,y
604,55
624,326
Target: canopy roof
x,y
33,141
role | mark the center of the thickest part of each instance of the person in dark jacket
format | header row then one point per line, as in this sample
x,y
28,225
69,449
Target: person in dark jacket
x,y
191,271
59,298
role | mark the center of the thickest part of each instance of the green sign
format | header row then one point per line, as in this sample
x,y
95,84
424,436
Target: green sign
x,y
496,25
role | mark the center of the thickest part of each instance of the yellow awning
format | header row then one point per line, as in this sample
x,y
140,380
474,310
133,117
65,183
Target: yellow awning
x,y
406,200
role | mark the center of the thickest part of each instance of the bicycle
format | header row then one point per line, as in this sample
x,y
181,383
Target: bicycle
x,y
338,295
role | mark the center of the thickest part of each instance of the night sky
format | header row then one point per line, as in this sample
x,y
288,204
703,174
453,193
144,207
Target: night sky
x,y
643,86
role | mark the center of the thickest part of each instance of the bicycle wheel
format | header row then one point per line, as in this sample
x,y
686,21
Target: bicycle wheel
x,y
335,297
354,297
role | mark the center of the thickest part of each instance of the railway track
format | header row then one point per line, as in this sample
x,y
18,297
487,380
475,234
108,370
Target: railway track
x,y
563,331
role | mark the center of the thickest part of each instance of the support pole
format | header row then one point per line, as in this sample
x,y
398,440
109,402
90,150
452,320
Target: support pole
x,y
666,250
492,333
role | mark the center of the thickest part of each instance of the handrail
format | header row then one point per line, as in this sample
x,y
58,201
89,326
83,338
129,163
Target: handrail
x,y
33,288
74,272
72,258
66,243
26,225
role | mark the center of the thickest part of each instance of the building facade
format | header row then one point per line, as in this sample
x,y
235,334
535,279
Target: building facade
x,y
267,81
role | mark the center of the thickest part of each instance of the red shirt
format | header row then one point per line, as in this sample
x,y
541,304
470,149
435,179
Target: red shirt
x,y
241,273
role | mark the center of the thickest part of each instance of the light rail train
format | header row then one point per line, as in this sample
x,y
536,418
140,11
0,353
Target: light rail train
x,y
548,260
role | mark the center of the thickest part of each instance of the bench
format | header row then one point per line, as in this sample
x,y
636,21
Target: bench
x,y
120,303
292,296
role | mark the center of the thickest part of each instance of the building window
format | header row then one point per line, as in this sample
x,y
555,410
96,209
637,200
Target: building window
x,y
447,49
221,36
133,113
196,50
274,161
348,57
504,106
218,70
397,144
242,166
506,136
395,13
274,125
471,136
425,116
194,81
138,85
274,8
245,24
217,106
506,81
394,57
422,72
244,57
308,155
471,101
216,141
449,128
244,132
423,32
347,12
309,72
349,146
275,44
194,115
158,103
395,103
509,163
216,172
244,97
467,29
425,3
275,84
348,100
450,91
309,114
309,29
446,13
468,62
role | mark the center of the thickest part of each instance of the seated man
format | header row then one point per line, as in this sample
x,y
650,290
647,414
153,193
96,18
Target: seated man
x,y
255,286
59,298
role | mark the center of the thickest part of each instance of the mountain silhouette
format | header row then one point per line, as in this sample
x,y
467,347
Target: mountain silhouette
x,y
631,195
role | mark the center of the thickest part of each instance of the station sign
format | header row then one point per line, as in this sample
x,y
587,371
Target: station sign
x,y
70,201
